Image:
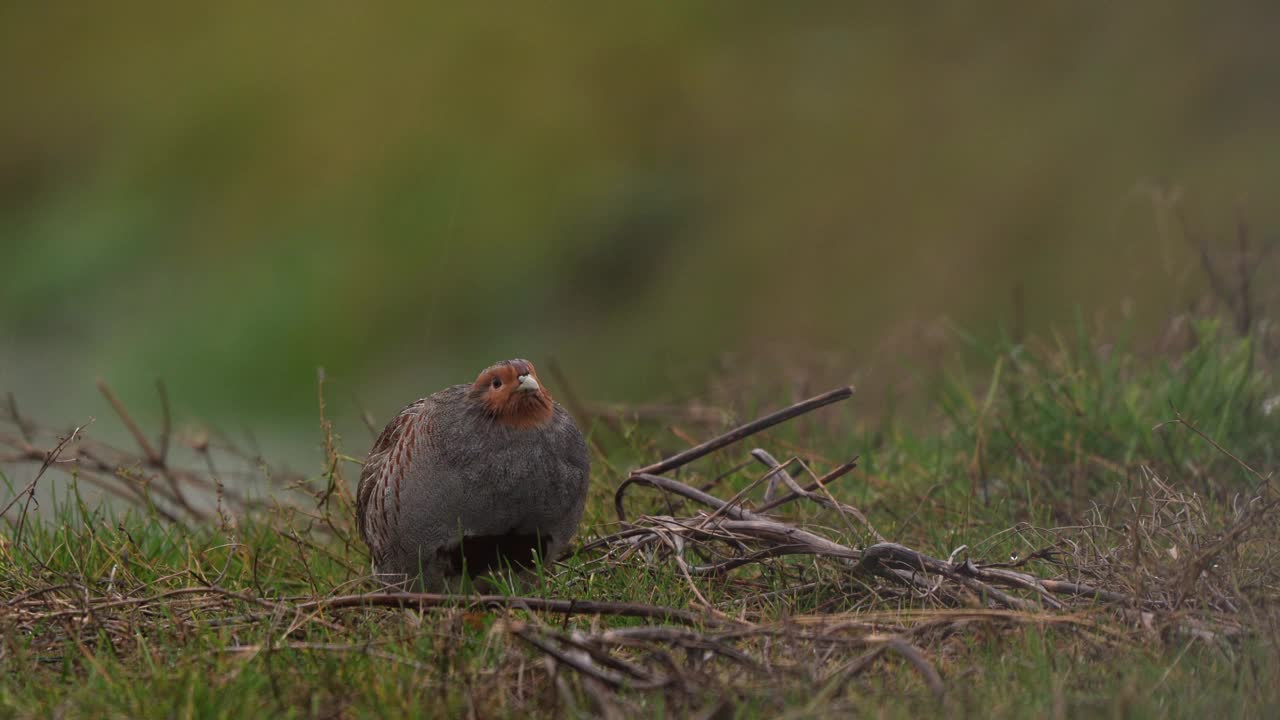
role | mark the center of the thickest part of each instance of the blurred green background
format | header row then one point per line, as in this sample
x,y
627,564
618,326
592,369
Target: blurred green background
x,y
229,196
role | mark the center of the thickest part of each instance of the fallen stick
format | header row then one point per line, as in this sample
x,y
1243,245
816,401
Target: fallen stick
x,y
566,607
679,488
743,431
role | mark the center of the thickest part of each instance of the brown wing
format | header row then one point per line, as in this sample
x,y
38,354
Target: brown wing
x,y
382,470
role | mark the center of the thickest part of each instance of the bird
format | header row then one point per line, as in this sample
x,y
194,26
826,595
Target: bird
x,y
471,479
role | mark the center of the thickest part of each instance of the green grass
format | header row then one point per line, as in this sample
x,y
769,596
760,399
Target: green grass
x,y
376,194
1029,445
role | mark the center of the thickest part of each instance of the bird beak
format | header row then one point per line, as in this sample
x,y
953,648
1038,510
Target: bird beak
x,y
528,383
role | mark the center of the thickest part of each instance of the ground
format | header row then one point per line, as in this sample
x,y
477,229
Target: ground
x,y
1100,519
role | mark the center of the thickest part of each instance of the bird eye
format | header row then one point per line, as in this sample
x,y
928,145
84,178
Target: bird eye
x,y
497,383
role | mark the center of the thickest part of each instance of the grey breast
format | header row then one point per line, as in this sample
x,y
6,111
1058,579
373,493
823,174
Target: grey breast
x,y
473,477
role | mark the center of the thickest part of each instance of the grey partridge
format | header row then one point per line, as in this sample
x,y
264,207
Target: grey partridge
x,y
471,479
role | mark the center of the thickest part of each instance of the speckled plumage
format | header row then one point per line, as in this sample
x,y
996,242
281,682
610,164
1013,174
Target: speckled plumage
x,y
506,471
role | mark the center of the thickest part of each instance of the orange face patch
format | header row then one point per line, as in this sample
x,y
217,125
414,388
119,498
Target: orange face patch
x,y
499,389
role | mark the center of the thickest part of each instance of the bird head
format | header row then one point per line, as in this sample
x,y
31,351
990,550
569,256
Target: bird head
x,y
511,394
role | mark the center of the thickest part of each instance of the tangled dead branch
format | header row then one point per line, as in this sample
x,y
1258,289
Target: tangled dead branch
x,y
150,477
745,537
